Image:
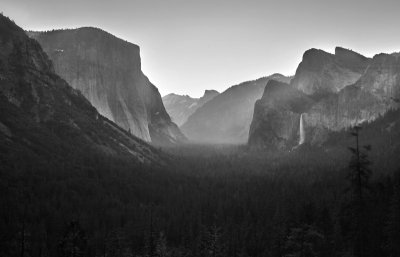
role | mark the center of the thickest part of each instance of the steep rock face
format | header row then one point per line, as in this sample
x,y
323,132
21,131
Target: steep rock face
x,y
40,112
180,107
208,95
227,117
382,78
336,104
107,70
322,73
276,119
370,97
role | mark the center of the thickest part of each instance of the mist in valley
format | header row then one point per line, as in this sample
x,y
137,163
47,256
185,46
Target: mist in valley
x,y
98,159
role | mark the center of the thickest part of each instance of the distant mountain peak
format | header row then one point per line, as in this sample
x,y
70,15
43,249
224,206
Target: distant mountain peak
x,y
341,50
180,107
315,52
227,117
320,72
396,54
209,94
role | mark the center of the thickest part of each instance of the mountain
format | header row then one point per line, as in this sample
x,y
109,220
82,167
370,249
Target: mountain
x,y
180,107
321,73
370,97
277,115
107,70
227,117
42,116
346,89
382,134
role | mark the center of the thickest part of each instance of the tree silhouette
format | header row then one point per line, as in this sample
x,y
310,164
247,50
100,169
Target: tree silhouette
x,y
116,244
161,246
73,244
359,174
393,226
211,242
303,242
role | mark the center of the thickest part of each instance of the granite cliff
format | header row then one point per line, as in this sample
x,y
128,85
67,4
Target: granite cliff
x,y
42,115
107,70
321,73
276,119
227,117
370,97
345,89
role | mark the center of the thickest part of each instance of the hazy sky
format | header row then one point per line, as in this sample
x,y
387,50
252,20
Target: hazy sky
x,y
188,46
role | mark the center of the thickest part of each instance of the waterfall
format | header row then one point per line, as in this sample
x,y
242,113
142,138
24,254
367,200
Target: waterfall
x,y
302,132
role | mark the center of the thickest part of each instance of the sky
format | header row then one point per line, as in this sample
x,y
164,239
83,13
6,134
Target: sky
x,y
189,46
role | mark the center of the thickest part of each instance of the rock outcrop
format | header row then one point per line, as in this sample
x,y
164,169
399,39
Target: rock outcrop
x,y
107,70
227,117
41,114
346,89
364,101
180,107
277,117
322,73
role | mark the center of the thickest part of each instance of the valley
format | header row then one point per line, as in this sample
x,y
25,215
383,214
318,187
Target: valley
x,y
94,162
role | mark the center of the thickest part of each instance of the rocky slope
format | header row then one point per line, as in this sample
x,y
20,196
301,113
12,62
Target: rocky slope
x,y
362,91
180,107
277,115
41,114
322,73
107,70
227,117
366,100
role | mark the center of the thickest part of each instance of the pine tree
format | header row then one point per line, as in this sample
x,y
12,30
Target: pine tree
x,y
150,235
359,174
73,243
161,246
116,244
303,241
359,168
211,242
393,228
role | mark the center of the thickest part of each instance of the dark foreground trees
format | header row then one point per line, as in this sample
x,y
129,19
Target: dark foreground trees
x,y
217,204
359,176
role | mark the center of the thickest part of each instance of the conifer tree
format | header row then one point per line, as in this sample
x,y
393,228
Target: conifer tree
x,y
161,246
73,243
358,176
116,243
393,227
211,242
303,241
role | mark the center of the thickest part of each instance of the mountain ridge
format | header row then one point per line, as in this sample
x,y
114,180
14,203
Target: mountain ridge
x,y
337,103
180,107
42,115
108,71
226,118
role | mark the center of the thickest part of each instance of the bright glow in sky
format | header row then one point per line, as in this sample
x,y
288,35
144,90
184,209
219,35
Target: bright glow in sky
x,y
188,46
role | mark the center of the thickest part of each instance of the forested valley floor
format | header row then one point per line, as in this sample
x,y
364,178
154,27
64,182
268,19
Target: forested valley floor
x,y
208,201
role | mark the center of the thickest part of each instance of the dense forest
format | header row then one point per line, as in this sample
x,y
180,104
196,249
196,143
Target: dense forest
x,y
208,201
74,184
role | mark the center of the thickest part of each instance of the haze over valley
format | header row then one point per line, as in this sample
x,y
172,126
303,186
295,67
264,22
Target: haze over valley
x,y
187,129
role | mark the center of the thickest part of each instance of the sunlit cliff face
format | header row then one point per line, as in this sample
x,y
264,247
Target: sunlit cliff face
x,y
107,70
336,105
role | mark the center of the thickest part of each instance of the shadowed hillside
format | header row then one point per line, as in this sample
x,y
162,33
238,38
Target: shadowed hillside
x,y
107,70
